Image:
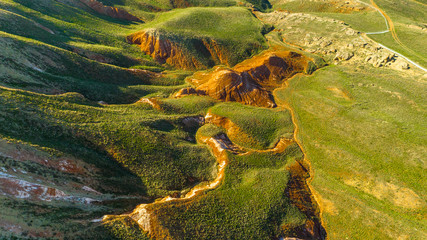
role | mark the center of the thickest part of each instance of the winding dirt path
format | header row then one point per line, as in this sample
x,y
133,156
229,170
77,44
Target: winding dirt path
x,y
392,30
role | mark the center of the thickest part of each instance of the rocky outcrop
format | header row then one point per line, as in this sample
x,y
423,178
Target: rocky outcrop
x,y
230,85
164,50
340,44
249,82
187,54
110,11
11,185
387,59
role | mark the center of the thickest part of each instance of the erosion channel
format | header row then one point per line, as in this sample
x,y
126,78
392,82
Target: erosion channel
x,y
252,83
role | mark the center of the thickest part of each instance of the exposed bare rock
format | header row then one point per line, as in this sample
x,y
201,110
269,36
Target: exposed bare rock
x,y
151,101
400,64
110,11
165,50
381,59
11,185
350,32
339,43
344,56
229,85
249,82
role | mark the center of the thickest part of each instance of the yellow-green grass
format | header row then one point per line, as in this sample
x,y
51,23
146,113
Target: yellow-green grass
x,y
36,66
251,203
137,150
363,132
71,27
144,8
264,126
234,29
130,134
408,18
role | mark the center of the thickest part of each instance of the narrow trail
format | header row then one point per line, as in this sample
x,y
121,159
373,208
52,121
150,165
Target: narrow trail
x,y
390,25
391,28
417,2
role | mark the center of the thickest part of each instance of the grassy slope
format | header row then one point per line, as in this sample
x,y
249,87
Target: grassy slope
x,y
263,126
132,135
72,26
154,138
384,116
368,153
250,203
234,29
143,7
37,60
74,125
402,13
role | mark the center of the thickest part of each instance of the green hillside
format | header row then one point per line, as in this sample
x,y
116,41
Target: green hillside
x,y
96,142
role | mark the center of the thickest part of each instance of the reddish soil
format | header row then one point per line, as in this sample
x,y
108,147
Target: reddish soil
x,y
23,189
300,196
110,11
249,82
164,50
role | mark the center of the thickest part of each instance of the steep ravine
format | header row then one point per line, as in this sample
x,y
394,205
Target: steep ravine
x,y
188,54
297,191
251,82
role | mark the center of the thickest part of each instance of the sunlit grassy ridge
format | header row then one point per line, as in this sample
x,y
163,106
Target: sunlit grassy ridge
x,y
234,30
221,23
361,128
367,152
251,203
263,126
70,26
54,47
143,7
39,39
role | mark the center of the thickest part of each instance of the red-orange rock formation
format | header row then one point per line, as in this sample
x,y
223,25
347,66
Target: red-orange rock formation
x,y
250,81
197,54
229,85
110,11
